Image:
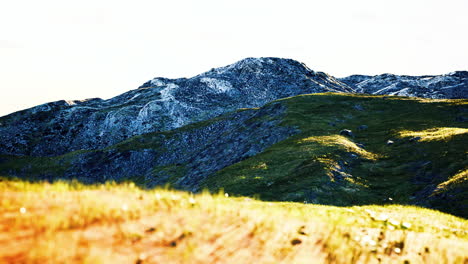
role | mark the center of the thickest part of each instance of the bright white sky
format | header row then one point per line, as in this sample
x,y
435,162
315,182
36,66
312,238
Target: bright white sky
x,y
63,49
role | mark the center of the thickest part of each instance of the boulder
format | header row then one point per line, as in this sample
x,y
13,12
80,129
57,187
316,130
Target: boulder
x,y
347,132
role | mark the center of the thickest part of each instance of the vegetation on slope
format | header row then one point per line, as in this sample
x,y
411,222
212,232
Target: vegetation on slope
x,y
399,151
73,223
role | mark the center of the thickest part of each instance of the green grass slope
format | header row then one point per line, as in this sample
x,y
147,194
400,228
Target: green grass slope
x,y
425,165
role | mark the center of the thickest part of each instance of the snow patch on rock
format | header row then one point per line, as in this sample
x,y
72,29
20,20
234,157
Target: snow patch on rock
x,y
216,84
135,96
403,92
166,93
157,82
248,64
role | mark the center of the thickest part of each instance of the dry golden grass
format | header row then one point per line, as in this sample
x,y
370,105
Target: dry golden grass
x,y
71,223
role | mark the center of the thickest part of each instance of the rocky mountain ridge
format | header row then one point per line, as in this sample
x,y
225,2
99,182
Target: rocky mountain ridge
x,y
160,104
163,104
447,86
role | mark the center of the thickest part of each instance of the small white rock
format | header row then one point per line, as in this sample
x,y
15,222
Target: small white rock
x,y
382,217
367,240
191,200
142,256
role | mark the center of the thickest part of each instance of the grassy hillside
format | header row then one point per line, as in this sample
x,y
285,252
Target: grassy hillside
x,y
72,223
402,150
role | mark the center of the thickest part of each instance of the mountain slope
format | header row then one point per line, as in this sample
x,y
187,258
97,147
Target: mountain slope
x,y
296,149
159,105
400,148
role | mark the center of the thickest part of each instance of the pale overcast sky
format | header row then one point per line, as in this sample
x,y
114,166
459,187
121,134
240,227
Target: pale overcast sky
x,y
60,49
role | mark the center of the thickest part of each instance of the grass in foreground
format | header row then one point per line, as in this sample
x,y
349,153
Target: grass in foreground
x,y
72,223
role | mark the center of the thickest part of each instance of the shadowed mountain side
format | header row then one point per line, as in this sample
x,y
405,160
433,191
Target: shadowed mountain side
x,y
183,157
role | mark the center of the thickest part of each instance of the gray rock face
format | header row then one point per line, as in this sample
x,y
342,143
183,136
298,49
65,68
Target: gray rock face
x,y
158,105
453,85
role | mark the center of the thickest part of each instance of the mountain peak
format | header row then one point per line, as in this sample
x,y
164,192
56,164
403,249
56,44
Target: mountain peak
x,y
260,65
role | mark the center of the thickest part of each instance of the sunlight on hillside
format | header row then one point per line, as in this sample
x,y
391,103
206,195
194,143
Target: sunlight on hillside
x,y
458,180
439,133
342,142
261,166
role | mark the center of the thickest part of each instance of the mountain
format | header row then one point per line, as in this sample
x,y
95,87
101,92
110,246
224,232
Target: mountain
x,y
158,105
259,127
453,85
163,104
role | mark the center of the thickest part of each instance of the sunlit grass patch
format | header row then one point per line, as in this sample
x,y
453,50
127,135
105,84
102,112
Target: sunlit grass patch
x,y
458,180
438,133
261,166
341,142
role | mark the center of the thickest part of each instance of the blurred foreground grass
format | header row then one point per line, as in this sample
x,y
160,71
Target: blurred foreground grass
x,y
120,223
